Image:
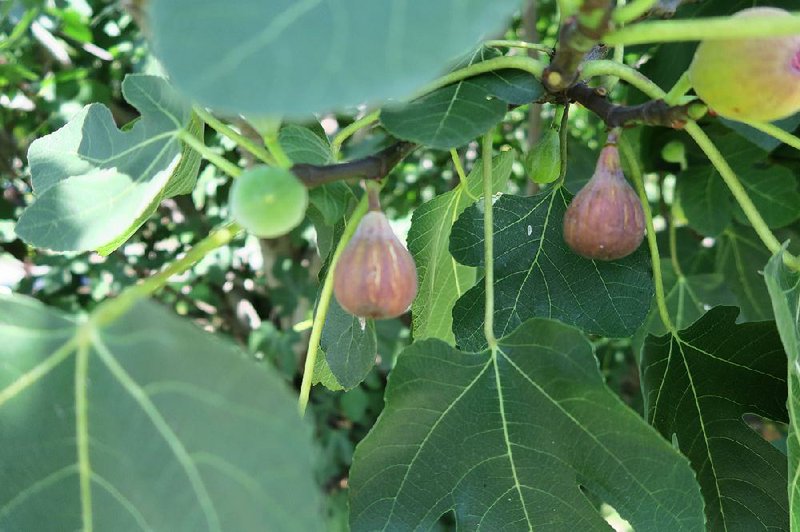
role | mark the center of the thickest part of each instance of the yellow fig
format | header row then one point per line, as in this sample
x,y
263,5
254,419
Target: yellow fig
x,y
749,79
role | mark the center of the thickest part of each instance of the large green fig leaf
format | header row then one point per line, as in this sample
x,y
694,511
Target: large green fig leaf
x,y
95,185
537,275
784,288
145,424
698,384
442,280
294,58
508,439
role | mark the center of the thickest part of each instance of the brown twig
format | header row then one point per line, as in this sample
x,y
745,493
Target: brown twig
x,y
652,113
579,34
376,166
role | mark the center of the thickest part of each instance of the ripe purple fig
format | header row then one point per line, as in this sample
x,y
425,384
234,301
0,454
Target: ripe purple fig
x,y
605,220
376,276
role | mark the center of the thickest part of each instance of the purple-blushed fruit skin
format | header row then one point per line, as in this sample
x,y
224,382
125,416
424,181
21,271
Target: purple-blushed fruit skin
x,y
376,276
749,79
605,220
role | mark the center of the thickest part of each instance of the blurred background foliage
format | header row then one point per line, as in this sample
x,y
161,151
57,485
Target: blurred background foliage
x,y
58,56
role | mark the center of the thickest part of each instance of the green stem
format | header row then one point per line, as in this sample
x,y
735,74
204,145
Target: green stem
x,y
275,148
324,303
626,13
705,29
519,44
673,248
488,239
349,131
462,177
208,154
605,67
681,87
655,258
111,309
563,139
519,62
776,132
224,129
738,191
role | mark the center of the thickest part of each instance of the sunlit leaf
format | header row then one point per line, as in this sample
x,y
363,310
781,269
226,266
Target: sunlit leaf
x,y
300,57
94,184
176,429
442,280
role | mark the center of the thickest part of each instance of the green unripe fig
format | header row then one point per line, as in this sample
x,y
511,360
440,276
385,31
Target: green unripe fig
x,y
543,162
749,79
268,202
605,220
376,276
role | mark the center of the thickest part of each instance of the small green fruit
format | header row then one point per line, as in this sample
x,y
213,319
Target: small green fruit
x,y
749,79
268,202
376,276
543,162
605,220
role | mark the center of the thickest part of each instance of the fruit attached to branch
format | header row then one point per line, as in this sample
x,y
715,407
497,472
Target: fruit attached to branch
x,y
268,202
543,162
605,220
376,276
749,79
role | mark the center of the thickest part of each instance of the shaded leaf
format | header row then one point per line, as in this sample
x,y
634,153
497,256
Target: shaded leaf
x,y
740,257
179,431
302,145
350,345
323,375
442,280
697,386
95,185
296,58
506,440
784,289
446,118
536,274
705,200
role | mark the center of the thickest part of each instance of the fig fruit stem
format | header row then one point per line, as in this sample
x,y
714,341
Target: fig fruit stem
x,y
462,177
208,154
324,303
658,280
628,12
348,131
488,240
705,29
681,87
224,129
111,309
275,148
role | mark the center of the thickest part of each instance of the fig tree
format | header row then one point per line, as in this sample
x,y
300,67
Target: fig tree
x,y
749,79
376,276
605,220
268,202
